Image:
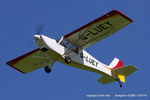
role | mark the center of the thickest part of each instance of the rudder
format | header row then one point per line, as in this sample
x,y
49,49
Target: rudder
x,y
116,63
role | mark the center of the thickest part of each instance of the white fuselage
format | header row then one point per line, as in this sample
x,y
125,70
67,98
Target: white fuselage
x,y
82,59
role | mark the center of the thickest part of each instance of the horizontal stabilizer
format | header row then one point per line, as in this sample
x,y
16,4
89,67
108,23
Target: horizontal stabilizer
x,y
105,79
125,70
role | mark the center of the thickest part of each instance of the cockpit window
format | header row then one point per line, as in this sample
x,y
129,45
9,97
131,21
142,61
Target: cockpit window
x,y
69,46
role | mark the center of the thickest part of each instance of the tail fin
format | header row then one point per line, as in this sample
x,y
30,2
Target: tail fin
x,y
116,63
118,70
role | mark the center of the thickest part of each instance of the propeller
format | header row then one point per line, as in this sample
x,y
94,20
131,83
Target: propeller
x,y
39,29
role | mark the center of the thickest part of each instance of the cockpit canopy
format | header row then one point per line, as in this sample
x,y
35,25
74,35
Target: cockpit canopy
x,y
68,45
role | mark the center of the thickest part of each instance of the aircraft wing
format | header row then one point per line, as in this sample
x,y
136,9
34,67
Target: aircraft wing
x,y
98,29
30,61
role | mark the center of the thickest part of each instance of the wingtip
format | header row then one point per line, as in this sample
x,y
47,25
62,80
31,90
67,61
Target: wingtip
x,y
117,11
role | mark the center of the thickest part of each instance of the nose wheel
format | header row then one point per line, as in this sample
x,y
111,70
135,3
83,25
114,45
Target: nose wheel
x,y
47,69
67,59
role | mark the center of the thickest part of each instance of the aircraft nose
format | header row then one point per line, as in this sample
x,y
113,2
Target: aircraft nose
x,y
36,37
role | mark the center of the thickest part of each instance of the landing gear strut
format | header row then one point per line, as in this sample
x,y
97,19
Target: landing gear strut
x,y
47,69
67,59
119,82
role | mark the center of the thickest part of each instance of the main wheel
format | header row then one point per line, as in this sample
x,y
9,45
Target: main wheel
x,y
67,59
47,69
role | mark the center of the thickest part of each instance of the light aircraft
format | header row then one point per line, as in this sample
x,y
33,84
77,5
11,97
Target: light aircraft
x,y
69,50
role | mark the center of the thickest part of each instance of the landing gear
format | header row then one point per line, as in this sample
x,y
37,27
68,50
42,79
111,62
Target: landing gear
x,y
119,82
67,59
47,69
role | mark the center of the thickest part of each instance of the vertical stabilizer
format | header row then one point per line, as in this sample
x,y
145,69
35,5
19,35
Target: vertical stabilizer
x,y
116,63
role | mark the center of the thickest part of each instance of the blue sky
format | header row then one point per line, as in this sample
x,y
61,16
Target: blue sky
x,y
18,22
